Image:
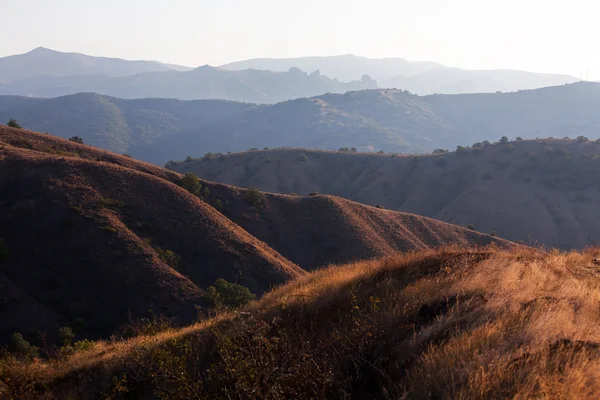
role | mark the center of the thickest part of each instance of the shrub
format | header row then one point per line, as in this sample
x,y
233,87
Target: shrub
x,y
105,202
65,336
477,145
353,150
440,151
13,124
191,183
471,227
169,257
21,348
503,140
485,143
218,205
493,234
228,294
313,193
344,149
519,138
4,250
209,156
206,191
76,139
380,152
582,139
255,197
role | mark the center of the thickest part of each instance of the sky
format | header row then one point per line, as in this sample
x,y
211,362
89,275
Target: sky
x,y
533,35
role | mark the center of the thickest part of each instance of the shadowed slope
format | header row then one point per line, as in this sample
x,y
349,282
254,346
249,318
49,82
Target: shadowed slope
x,y
88,240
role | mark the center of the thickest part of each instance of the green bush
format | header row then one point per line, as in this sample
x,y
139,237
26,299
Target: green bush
x,y
206,191
582,139
191,183
313,193
344,149
503,140
13,124
255,197
21,348
218,205
353,150
228,294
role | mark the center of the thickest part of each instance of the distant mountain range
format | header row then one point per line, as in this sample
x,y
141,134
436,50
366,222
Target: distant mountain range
x,y
419,77
50,63
158,130
47,73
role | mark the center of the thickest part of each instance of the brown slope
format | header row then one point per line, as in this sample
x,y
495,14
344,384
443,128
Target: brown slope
x,y
539,191
84,238
318,230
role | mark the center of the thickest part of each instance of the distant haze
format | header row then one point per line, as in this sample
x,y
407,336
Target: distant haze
x,y
549,36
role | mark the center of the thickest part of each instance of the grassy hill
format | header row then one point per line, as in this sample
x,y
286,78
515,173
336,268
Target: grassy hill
x,y
536,191
93,240
447,323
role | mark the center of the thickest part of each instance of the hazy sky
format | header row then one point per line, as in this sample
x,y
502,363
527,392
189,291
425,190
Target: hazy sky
x,y
534,35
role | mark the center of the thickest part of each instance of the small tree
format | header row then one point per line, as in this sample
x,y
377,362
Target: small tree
x,y
353,150
191,183
13,124
255,197
519,138
503,140
582,139
66,336
76,139
344,149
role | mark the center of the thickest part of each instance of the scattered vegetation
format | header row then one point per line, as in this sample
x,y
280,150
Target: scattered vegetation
x,y
21,348
169,257
105,202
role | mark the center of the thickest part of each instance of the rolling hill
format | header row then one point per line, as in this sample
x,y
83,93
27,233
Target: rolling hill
x,y
419,77
448,323
535,191
159,130
93,239
45,62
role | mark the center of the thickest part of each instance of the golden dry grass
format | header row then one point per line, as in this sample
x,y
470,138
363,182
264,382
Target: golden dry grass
x,y
447,323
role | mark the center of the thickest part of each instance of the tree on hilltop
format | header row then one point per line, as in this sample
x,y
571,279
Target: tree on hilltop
x,y
12,123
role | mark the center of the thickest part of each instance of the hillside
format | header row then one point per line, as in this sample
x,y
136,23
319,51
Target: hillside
x,y
319,230
449,323
90,243
535,191
419,77
93,239
205,82
50,63
157,131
